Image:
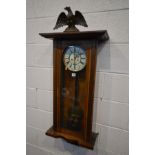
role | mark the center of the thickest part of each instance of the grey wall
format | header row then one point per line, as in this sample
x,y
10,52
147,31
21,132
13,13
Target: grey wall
x,y
111,89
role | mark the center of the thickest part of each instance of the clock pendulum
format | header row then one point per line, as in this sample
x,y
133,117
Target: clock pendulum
x,y
75,112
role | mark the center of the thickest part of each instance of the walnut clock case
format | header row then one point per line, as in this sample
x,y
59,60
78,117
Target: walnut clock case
x,y
74,69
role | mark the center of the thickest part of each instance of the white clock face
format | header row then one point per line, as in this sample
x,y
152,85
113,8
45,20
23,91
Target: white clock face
x,y
74,58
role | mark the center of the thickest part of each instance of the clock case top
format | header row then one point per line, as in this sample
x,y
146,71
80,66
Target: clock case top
x,y
100,35
89,41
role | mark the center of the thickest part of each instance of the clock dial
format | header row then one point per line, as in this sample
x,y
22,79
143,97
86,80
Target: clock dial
x,y
74,58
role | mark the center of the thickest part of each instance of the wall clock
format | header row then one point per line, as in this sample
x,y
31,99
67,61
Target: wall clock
x,y
74,69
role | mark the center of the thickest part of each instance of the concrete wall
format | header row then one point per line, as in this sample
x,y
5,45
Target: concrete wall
x,y
111,89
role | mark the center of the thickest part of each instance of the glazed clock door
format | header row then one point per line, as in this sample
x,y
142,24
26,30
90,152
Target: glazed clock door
x,y
72,108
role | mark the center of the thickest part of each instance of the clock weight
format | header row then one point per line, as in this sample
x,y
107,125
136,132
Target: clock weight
x,y
75,112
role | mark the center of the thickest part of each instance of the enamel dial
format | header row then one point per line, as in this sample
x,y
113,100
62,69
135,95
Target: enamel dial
x,y
74,58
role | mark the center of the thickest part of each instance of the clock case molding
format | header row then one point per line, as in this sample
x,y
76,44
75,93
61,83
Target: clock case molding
x,y
89,40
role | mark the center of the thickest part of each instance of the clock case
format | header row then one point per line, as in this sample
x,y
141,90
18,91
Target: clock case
x,y
65,87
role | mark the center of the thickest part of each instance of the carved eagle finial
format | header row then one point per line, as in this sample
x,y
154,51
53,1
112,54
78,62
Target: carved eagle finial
x,y
71,20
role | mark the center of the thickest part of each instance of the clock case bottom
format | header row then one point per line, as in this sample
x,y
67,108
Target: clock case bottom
x,y
73,140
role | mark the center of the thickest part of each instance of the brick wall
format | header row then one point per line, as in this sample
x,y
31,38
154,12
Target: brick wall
x,y
111,88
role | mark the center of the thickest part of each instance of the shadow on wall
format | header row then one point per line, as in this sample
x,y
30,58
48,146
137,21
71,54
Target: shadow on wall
x,y
71,149
103,56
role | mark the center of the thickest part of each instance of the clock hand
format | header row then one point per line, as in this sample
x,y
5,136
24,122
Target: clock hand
x,y
74,58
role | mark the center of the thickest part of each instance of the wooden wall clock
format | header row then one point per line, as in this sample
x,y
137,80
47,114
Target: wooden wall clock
x,y
74,69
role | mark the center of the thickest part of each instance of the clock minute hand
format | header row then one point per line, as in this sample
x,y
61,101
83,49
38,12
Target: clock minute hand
x,y
74,58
